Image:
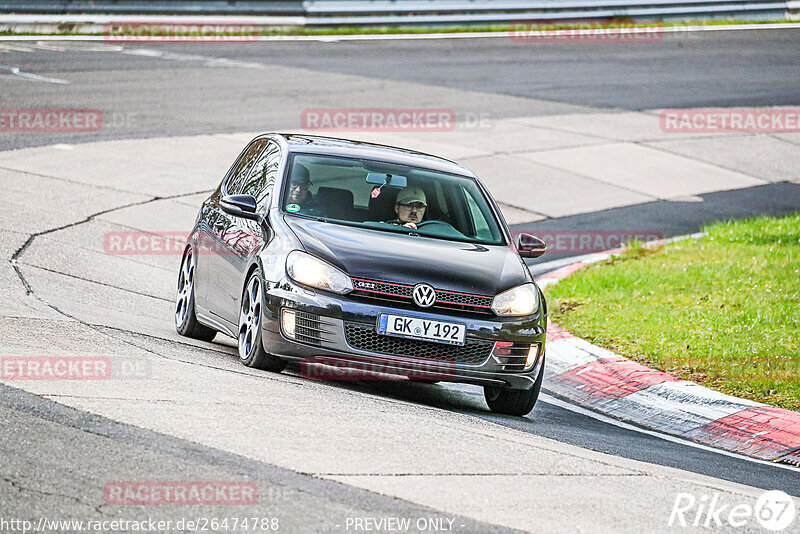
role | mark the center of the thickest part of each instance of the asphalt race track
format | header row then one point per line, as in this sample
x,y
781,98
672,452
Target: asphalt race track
x,y
212,88
324,453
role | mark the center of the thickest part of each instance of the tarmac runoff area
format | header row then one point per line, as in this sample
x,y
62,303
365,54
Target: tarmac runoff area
x,y
65,295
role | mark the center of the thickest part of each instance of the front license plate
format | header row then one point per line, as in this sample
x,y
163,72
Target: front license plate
x,y
424,329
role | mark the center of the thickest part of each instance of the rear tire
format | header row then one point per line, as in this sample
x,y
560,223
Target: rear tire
x,y
514,401
251,315
185,320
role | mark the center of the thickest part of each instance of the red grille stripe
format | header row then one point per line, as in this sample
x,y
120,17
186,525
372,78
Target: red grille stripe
x,y
460,293
406,285
379,282
383,293
461,303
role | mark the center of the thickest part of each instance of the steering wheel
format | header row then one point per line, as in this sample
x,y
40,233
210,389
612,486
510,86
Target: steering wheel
x,y
429,223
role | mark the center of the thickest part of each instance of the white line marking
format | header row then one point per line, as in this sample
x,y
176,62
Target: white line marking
x,y
611,421
413,36
27,48
30,76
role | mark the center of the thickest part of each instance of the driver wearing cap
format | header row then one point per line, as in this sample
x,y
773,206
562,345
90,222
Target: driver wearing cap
x,y
410,207
300,197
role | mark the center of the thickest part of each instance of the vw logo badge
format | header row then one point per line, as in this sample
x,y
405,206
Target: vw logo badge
x,y
424,295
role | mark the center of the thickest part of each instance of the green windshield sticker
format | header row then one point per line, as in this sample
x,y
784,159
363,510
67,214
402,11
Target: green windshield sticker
x,y
293,207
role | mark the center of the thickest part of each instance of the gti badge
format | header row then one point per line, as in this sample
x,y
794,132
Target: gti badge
x,y
424,295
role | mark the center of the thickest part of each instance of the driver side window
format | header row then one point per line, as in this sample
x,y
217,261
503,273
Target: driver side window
x,y
235,182
263,174
479,223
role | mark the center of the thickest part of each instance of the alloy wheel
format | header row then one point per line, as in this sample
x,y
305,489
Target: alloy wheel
x,y
250,318
185,288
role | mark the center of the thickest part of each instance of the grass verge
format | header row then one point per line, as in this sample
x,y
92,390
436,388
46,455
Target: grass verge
x,y
722,310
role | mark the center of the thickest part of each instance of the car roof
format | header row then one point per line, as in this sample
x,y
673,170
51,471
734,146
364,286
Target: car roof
x,y
316,144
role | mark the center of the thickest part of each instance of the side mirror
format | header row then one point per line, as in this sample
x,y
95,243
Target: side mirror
x,y
241,206
530,246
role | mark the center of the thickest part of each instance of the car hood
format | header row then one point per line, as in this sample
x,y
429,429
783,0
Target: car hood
x,y
389,257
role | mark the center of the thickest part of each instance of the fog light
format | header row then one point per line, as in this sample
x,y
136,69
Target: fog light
x,y
532,355
287,322
502,348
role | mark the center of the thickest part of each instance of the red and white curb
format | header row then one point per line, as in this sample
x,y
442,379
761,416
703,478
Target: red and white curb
x,y
606,382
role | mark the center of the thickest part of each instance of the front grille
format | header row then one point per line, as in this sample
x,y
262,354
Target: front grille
x,y
384,288
465,299
308,328
364,337
451,300
511,356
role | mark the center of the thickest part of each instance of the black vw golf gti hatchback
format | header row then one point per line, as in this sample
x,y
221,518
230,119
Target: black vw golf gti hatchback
x,y
353,256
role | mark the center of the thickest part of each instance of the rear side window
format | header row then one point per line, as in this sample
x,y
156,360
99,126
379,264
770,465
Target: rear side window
x,y
237,178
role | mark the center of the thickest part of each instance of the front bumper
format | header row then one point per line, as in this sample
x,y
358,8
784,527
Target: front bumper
x,y
339,330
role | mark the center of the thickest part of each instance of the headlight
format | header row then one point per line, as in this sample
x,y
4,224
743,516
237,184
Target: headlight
x,y
520,300
310,271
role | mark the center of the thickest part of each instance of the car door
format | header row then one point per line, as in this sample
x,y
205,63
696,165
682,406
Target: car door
x,y
205,275
240,238
222,255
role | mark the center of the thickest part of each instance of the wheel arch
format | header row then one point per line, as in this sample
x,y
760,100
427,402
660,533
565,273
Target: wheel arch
x,y
255,264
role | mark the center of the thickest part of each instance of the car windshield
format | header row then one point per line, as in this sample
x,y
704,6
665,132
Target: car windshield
x,y
390,197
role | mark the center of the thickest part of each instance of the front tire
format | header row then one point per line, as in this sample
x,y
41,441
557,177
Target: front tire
x,y
514,401
251,315
185,320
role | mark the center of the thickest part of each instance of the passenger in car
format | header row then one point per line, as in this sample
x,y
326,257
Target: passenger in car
x,y
410,207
